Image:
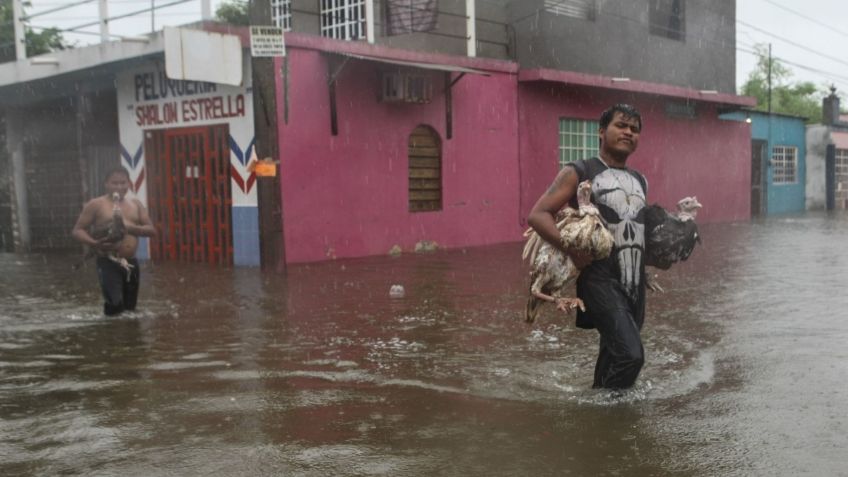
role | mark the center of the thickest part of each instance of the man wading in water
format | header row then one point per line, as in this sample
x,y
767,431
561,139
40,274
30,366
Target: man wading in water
x,y
613,289
116,223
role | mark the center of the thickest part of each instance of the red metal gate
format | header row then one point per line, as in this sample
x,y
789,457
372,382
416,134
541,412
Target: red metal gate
x,y
189,195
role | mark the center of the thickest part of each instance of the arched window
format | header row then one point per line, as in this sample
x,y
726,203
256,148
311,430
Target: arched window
x,y
425,170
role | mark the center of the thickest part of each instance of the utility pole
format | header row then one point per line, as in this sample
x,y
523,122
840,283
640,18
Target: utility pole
x,y
20,34
769,80
768,159
268,191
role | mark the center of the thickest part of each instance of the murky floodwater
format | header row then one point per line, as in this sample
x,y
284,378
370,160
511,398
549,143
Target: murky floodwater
x,y
320,372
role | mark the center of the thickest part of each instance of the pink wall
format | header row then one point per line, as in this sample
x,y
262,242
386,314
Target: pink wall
x,y
346,195
707,157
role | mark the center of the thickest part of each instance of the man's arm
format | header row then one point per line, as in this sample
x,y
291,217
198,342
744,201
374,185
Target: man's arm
x,y
542,215
84,221
145,227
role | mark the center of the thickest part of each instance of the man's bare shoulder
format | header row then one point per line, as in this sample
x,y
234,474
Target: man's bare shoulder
x,y
97,203
99,208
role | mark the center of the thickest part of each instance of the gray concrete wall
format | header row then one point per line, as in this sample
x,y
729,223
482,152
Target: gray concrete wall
x,y
448,37
618,43
818,137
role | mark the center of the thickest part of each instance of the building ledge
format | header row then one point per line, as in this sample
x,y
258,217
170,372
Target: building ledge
x,y
634,86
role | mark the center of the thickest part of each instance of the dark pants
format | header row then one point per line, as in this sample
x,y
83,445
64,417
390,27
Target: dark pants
x,y
120,287
619,322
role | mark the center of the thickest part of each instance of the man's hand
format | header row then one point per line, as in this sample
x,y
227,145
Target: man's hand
x,y
105,246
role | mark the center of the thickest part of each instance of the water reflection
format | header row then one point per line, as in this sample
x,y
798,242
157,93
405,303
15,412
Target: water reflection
x,y
321,372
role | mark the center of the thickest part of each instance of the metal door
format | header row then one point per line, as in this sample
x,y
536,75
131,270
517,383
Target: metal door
x,y
189,194
758,152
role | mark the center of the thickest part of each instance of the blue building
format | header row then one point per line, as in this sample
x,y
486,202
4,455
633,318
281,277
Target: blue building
x,y
778,161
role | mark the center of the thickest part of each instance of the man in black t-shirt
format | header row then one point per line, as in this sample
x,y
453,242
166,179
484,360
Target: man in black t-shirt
x,y
613,289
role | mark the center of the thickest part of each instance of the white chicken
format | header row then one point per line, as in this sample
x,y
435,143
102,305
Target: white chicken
x,y
552,271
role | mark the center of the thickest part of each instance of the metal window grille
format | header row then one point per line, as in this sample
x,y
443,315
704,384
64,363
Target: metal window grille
x,y
841,172
668,18
578,139
784,160
584,9
842,162
343,19
281,13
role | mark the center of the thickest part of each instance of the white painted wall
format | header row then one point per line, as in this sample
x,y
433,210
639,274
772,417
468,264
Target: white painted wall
x,y
818,137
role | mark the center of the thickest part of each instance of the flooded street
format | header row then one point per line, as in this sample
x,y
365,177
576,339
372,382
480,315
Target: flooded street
x,y
320,372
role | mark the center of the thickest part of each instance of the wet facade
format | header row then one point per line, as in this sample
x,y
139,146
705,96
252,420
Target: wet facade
x,y
827,158
187,145
401,144
778,162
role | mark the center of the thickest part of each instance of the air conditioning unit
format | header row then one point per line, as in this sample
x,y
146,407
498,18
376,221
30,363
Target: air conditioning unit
x,y
405,87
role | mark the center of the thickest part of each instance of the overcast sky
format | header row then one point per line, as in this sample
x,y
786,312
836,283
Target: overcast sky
x,y
810,35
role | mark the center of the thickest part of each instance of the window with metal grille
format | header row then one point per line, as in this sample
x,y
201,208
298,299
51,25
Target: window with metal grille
x,y
784,161
841,163
578,139
343,19
425,170
583,9
281,13
667,18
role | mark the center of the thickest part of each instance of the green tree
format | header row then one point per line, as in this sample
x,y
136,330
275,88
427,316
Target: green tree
x,y
37,42
233,12
799,99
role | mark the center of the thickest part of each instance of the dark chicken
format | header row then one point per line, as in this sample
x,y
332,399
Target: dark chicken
x,y
670,238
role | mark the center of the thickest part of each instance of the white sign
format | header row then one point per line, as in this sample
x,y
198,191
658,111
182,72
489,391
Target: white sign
x,y
267,41
202,56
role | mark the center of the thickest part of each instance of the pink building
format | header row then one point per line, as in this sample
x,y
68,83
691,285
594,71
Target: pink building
x,y
381,147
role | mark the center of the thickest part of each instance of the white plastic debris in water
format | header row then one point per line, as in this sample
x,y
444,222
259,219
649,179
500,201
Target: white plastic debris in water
x,y
397,291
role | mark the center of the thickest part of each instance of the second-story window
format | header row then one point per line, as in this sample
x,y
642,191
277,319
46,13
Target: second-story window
x,y
668,18
281,13
583,9
343,19
785,164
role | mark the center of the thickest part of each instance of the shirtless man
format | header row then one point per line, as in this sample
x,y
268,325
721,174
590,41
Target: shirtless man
x,y
117,268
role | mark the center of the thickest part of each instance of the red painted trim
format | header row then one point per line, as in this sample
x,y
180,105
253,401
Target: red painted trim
x,y
138,181
606,82
234,173
250,181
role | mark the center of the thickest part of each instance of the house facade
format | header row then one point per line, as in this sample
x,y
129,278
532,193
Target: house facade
x,y
778,162
417,138
827,159
495,140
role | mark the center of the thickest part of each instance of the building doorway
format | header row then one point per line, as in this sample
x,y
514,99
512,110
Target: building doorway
x,y
189,194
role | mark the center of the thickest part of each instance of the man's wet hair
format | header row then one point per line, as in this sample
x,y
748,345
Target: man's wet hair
x,y
116,170
626,110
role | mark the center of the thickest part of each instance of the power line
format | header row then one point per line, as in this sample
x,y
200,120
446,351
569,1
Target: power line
x,y
64,7
807,17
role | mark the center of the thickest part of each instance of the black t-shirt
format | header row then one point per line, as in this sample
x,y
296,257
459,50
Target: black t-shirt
x,y
620,195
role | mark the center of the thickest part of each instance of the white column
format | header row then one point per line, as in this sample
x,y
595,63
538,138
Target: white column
x,y
103,12
369,20
471,27
20,35
205,10
20,206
